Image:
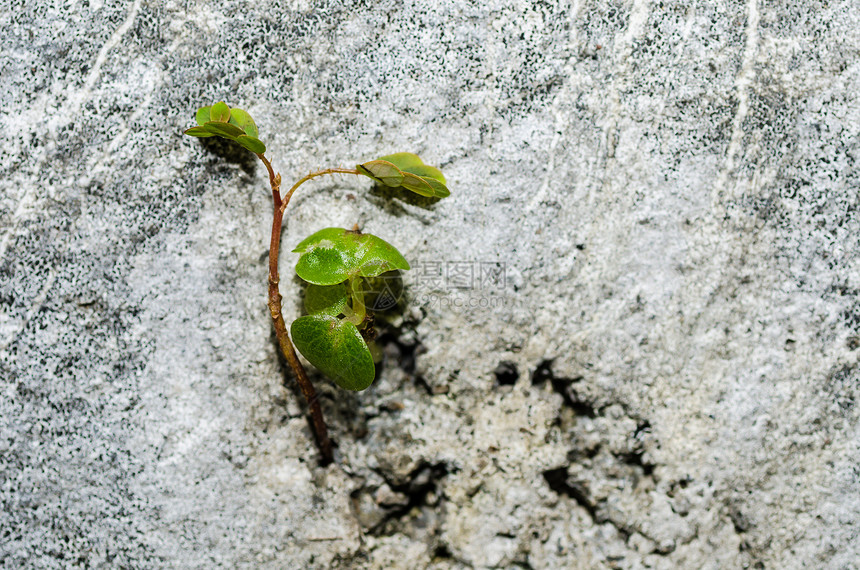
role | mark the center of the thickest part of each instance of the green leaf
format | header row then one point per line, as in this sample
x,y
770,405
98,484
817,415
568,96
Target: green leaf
x,y
252,144
382,171
225,130
328,257
439,188
326,300
426,171
432,176
219,112
198,132
418,185
403,160
333,255
404,169
203,115
379,257
244,121
336,348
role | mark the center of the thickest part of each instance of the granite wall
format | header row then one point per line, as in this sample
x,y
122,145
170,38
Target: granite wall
x,y
632,332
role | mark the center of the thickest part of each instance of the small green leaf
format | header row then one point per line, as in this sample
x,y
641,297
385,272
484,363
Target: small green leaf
x,y
418,185
404,169
379,257
326,300
336,348
332,255
439,188
219,112
426,171
252,144
225,130
403,160
382,171
202,116
244,121
328,257
198,132
429,174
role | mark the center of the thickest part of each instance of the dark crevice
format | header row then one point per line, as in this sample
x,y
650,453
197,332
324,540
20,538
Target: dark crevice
x,y
397,352
572,400
623,463
425,384
345,561
542,372
421,482
642,427
740,522
442,552
635,459
564,387
400,354
558,481
575,455
506,373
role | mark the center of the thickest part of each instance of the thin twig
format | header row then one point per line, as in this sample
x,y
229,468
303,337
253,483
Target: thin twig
x,y
289,195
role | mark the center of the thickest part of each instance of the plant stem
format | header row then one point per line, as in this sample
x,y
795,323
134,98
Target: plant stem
x,y
274,182
289,195
280,205
357,297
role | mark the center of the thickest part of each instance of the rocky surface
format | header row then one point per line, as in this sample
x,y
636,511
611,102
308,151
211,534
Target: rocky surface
x,y
633,329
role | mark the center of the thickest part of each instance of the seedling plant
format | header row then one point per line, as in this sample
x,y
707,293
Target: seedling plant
x,y
336,263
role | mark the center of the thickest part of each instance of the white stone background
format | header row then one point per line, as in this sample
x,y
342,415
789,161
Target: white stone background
x,y
672,188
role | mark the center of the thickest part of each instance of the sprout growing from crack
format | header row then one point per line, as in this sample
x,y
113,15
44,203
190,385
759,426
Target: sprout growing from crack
x,y
339,266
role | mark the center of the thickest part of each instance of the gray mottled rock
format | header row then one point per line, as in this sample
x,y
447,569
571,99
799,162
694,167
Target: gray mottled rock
x,y
632,332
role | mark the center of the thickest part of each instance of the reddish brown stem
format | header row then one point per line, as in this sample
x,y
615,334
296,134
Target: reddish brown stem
x,y
280,206
274,182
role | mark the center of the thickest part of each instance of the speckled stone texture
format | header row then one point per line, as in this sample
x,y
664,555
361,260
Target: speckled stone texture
x,y
632,332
